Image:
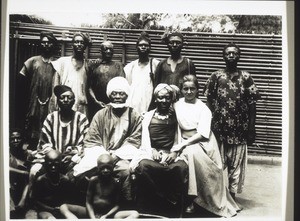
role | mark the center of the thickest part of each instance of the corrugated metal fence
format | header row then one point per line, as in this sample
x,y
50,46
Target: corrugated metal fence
x,y
261,56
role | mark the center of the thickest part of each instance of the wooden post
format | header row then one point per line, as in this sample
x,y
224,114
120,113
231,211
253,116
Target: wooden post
x,y
124,49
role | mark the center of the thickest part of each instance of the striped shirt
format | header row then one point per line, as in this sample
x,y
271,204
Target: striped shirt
x,y
58,135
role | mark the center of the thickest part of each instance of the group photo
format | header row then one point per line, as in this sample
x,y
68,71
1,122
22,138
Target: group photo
x,y
145,116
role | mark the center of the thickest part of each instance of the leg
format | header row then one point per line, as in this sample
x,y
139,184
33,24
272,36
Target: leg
x,y
22,201
45,215
70,211
127,214
236,167
122,172
31,214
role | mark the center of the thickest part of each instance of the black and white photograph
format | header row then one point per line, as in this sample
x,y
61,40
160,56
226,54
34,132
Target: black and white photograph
x,y
146,110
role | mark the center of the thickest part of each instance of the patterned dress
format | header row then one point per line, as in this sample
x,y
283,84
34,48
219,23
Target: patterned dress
x,y
230,99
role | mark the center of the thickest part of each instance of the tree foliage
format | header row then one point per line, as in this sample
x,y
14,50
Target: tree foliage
x,y
28,19
196,23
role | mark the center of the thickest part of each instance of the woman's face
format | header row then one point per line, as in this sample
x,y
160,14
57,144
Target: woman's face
x,y
163,100
189,91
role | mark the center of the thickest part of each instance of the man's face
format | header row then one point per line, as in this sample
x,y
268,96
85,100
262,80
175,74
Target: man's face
x,y
118,97
78,44
107,52
46,45
231,55
15,139
175,44
163,100
143,48
66,100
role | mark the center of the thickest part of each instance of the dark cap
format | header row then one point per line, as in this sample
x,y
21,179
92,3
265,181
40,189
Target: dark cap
x,y
60,89
49,35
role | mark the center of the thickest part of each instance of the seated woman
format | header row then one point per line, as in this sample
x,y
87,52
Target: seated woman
x,y
162,175
206,185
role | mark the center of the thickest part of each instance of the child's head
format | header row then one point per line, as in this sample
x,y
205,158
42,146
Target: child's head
x,y
16,138
105,165
53,161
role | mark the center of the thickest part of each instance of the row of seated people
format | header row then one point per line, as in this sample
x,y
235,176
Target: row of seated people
x,y
82,170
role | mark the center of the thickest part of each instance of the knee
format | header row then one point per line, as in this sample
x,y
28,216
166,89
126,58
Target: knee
x,y
34,169
142,167
63,208
134,214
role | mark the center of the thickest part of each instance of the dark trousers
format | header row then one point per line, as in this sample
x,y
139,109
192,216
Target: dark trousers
x,y
157,183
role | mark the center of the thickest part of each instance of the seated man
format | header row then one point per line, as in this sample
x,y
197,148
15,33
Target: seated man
x,y
115,129
51,189
162,175
63,130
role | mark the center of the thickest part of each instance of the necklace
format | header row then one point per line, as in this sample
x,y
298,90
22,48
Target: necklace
x,y
160,116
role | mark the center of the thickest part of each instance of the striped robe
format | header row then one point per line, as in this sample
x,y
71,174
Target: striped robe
x,y
58,135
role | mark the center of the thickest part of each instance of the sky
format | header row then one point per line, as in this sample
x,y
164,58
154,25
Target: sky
x,y
75,12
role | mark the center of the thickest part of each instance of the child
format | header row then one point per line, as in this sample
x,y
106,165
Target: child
x,y
103,193
51,189
18,172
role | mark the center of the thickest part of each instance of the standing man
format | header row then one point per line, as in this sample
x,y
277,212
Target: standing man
x,y
100,75
72,71
38,72
231,96
172,69
140,75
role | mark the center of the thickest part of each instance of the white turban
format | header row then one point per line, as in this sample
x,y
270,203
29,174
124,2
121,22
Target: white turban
x,y
117,84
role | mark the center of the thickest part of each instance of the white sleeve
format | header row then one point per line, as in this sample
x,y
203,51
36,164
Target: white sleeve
x,y
204,121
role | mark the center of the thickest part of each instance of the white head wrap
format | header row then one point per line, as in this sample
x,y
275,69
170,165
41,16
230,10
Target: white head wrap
x,y
117,84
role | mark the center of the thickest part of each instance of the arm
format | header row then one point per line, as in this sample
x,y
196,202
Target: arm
x,y
210,91
89,200
192,68
252,118
15,170
92,94
110,212
53,102
192,140
45,207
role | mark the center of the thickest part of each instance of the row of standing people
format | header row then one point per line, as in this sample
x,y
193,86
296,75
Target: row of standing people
x,y
231,96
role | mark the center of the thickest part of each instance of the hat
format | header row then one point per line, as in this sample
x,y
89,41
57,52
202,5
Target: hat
x,y
161,86
107,44
86,38
167,34
117,84
49,35
144,36
60,89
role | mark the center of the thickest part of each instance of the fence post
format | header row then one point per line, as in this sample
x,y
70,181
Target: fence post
x,y
124,49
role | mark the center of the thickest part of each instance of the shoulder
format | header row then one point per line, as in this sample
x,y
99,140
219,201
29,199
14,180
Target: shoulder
x,y
117,64
80,115
62,60
134,113
202,106
245,74
93,180
155,61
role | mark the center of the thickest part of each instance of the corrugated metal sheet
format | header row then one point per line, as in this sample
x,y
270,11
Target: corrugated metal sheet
x,y
261,56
